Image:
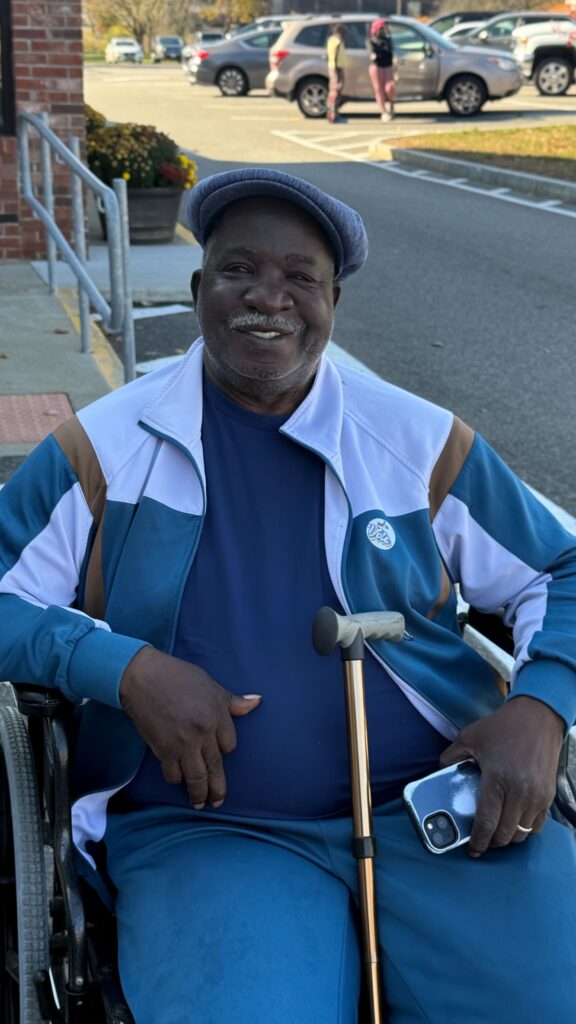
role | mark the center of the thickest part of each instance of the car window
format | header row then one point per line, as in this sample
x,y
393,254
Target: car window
x,y
313,35
356,34
407,39
264,40
502,28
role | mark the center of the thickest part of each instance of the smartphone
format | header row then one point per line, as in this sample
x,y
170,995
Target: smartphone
x,y
442,805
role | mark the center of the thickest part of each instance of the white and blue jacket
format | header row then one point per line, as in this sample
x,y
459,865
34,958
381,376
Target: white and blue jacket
x,y
99,527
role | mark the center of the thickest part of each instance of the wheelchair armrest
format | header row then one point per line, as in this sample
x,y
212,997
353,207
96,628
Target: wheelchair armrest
x,y
40,701
565,801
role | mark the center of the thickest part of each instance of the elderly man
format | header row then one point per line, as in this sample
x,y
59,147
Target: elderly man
x,y
164,554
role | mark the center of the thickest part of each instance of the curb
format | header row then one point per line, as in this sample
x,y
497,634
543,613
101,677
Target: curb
x,y
500,177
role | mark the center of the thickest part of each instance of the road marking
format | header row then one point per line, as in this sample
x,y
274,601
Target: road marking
x,y
394,168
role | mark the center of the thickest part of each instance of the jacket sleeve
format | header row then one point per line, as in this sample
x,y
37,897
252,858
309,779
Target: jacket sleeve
x,y
45,532
505,549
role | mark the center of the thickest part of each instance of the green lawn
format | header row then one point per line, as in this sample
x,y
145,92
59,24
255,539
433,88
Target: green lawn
x,y
550,151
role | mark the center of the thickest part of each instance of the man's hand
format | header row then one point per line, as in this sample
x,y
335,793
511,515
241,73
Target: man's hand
x,y
185,718
517,749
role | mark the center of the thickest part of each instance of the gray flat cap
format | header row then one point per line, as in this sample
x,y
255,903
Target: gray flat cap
x,y
342,226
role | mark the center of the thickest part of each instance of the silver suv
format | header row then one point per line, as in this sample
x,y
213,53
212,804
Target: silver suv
x,y
427,66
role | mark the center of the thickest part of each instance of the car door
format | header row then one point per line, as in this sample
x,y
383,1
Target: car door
x,y
356,81
416,63
255,62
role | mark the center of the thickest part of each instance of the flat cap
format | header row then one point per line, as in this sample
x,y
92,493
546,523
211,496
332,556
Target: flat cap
x,y
342,226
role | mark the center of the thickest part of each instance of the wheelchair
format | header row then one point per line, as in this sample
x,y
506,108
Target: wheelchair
x,y
58,950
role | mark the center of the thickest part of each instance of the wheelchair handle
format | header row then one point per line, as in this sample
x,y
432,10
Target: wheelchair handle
x,y
331,630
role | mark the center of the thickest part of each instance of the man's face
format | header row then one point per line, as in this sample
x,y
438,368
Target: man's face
x,y
265,301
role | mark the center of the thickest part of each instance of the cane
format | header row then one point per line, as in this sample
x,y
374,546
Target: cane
x,y
349,632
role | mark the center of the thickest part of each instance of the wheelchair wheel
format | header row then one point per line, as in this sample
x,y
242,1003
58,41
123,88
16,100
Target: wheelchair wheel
x,y
24,946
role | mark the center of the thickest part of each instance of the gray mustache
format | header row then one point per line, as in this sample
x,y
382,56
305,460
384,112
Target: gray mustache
x,y
260,322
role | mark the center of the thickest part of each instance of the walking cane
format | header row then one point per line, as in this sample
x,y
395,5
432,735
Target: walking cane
x,y
349,633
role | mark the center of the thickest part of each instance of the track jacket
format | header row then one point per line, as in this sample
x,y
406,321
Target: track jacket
x,y
100,525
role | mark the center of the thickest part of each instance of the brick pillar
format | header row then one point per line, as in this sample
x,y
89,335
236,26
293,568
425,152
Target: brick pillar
x,y
48,77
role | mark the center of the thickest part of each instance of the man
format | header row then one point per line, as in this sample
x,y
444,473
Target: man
x,y
164,554
336,56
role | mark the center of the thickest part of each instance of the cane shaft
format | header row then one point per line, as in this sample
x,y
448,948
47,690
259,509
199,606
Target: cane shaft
x,y
363,836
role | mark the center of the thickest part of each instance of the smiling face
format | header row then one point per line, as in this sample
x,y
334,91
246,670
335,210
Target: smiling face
x,y
265,301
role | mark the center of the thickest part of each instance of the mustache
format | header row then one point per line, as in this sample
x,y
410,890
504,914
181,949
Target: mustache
x,y
261,322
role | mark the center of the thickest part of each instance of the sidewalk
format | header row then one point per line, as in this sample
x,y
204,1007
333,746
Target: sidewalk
x,y
44,376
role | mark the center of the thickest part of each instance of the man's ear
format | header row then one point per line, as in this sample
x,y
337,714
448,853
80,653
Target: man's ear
x,y
195,285
336,292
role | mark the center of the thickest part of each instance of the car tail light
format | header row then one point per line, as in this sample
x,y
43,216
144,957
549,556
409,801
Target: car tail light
x,y
277,56
202,54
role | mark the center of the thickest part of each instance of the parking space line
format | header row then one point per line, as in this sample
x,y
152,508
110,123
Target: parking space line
x,y
394,168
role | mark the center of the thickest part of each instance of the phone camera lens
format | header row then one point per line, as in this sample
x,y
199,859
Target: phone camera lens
x,y
442,831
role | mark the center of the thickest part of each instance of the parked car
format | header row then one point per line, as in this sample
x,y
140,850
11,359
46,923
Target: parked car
x,y
461,29
203,39
427,66
266,22
122,48
166,48
547,55
236,65
497,32
444,22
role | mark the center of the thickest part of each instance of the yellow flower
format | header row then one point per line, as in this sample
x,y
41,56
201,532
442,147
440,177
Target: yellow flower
x,y
126,175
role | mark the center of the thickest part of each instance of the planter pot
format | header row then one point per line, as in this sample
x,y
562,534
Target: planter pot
x,y
152,215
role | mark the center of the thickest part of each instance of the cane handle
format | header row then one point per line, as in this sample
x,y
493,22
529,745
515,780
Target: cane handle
x,y
331,630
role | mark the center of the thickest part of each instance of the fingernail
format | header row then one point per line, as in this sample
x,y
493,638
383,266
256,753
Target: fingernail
x,y
252,696
217,803
198,807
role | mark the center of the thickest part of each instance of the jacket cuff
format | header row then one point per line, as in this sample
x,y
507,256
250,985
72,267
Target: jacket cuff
x,y
98,663
551,682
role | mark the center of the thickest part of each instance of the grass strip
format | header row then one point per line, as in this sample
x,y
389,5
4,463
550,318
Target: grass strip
x,y
548,151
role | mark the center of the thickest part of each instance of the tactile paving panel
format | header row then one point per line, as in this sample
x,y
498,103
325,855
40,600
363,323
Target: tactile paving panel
x,y
30,417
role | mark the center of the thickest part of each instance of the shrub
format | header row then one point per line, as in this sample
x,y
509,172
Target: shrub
x,y
143,156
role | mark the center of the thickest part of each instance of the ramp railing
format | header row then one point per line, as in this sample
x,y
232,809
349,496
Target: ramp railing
x,y
117,315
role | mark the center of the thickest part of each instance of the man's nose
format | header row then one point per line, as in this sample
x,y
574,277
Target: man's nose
x,y
268,295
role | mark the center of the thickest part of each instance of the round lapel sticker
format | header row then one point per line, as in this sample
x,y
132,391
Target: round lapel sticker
x,y
381,534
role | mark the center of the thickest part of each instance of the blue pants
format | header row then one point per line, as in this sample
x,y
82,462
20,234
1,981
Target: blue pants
x,y
227,920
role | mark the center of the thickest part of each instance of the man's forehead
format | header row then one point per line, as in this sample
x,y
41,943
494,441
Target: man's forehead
x,y
230,230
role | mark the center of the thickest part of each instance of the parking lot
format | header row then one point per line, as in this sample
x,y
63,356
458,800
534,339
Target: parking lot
x,y
262,127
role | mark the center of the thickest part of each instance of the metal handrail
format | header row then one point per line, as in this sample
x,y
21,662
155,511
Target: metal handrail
x,y
118,314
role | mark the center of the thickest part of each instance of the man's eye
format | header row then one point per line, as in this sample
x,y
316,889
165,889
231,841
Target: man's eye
x,y
297,275
236,268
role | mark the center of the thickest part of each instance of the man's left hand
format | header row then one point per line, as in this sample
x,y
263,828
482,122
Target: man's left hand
x,y
517,749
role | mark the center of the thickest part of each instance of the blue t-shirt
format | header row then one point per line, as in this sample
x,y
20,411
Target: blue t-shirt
x,y
261,573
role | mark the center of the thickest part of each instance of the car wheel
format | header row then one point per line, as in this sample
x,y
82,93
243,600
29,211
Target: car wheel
x,y
312,97
232,82
465,95
553,76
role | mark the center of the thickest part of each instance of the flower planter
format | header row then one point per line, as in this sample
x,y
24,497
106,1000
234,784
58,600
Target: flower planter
x,y
152,215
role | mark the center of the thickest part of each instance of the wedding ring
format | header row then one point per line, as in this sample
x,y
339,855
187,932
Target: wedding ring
x,y
520,828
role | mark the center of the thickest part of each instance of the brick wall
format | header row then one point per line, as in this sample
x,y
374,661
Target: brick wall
x,y
47,63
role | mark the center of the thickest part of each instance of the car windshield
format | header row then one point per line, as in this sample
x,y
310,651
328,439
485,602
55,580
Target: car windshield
x,y
170,39
125,42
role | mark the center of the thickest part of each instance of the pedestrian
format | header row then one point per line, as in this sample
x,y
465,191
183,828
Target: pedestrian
x,y
162,557
336,54
381,67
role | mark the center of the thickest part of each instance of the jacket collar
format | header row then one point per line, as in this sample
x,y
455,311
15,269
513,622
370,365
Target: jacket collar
x,y
175,412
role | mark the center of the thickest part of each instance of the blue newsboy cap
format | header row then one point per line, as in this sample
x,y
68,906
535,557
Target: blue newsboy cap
x,y
342,226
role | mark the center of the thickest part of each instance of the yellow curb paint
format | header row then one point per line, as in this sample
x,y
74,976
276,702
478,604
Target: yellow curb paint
x,y
102,352
185,235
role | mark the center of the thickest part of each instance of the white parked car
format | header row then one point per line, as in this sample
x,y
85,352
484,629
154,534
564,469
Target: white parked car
x,y
547,55
122,48
461,29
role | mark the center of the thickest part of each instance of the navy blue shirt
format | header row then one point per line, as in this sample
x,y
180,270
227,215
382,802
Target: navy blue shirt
x,y
261,573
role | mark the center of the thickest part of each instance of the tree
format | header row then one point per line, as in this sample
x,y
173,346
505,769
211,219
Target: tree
x,y
140,18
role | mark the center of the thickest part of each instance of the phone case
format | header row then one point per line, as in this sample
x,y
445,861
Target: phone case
x,y
442,805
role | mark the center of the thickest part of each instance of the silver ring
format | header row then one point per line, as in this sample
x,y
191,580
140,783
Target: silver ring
x,y
520,828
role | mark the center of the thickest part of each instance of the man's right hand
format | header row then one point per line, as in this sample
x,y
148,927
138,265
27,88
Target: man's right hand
x,y
185,718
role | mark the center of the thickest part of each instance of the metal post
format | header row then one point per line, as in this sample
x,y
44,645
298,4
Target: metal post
x,y
128,344
48,191
79,233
